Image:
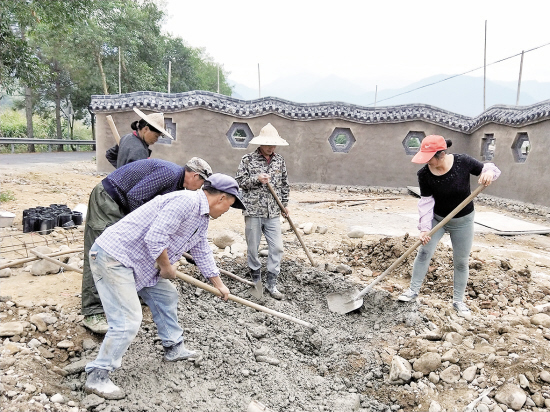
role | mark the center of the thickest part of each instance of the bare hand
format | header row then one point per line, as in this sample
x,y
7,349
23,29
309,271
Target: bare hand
x,y
224,291
486,178
168,272
286,212
263,178
218,284
424,238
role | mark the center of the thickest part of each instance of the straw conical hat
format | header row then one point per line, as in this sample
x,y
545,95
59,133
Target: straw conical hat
x,y
154,119
269,137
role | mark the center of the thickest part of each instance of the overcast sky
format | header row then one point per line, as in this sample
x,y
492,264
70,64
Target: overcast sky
x,y
389,43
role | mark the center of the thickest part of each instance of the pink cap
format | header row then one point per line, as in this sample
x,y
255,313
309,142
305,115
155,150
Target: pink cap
x,y
430,146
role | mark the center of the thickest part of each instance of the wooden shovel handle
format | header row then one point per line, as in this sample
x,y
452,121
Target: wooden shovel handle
x,y
113,128
214,291
290,222
57,262
419,242
225,272
14,263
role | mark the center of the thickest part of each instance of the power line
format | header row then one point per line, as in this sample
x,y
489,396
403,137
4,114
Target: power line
x,y
461,74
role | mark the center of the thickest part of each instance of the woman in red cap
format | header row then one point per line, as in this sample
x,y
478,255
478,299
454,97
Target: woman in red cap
x,y
444,183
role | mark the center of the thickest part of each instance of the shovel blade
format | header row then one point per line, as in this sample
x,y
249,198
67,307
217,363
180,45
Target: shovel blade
x,y
257,290
344,302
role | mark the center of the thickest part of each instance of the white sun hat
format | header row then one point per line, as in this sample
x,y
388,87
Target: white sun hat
x,y
154,119
269,137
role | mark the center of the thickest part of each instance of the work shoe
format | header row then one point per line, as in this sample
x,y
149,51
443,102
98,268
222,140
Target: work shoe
x,y
256,275
408,295
98,382
97,323
178,352
462,310
271,286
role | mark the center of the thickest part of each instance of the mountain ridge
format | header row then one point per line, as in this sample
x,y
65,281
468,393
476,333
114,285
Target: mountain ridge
x,y
461,95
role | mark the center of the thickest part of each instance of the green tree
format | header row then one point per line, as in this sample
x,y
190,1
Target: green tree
x,y
70,50
207,72
21,61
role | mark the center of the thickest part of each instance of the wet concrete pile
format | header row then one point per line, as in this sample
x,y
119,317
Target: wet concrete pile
x,y
378,358
248,355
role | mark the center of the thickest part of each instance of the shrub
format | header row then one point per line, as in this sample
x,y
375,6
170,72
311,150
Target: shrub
x,y
6,196
12,124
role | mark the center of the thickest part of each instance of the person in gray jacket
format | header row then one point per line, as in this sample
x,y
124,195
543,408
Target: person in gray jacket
x,y
135,146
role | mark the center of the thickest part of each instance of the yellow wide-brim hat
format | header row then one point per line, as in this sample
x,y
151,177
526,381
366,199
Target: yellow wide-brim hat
x,y
269,137
154,119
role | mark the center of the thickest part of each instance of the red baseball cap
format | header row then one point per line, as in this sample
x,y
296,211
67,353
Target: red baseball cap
x,y
429,147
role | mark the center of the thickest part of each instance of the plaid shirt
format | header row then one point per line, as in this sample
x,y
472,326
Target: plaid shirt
x,y
177,222
138,182
256,196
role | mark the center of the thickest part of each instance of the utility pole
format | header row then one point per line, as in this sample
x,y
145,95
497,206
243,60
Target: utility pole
x,y
119,71
484,65
375,95
218,79
259,88
169,73
519,80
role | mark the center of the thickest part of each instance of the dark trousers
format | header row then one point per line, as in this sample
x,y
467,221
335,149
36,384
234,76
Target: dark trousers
x,y
102,212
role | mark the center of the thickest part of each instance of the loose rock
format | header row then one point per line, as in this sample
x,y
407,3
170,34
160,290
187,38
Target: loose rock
x,y
511,395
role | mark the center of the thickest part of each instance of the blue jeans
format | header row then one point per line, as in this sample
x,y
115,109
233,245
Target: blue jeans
x,y
461,231
271,228
117,290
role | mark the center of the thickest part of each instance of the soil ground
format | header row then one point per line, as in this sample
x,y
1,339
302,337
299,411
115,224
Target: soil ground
x,y
346,356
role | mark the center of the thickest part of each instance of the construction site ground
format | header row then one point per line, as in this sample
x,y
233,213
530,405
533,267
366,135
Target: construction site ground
x,y
343,364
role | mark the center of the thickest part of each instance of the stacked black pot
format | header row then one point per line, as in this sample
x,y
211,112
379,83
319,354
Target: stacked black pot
x,y
44,219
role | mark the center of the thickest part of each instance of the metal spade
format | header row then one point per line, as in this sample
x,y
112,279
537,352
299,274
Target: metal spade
x,y
351,299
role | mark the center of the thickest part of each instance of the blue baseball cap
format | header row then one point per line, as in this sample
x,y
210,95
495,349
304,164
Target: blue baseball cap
x,y
226,184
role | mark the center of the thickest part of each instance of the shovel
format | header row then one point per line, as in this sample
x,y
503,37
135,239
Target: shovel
x,y
350,300
291,224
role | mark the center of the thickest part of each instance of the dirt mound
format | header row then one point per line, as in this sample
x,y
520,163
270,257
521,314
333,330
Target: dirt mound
x,y
251,355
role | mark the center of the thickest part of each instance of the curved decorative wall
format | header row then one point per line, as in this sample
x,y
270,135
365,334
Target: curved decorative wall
x,y
339,143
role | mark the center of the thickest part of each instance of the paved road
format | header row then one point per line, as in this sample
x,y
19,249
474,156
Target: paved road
x,y
23,159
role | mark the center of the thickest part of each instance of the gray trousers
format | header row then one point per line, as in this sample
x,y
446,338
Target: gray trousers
x,y
102,212
461,231
271,228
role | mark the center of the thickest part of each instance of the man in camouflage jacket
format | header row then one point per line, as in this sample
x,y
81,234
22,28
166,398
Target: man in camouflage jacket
x,y
262,214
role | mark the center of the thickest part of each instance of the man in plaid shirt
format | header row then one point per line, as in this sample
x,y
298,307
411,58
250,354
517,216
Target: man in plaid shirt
x,y
123,191
123,262
262,214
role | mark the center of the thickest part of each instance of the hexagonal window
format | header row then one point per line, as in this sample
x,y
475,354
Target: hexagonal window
x,y
239,135
488,144
170,127
341,140
412,142
521,147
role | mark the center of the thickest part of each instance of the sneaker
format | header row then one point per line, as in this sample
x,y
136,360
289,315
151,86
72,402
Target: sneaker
x,y
98,382
462,310
178,352
274,292
271,286
408,295
97,323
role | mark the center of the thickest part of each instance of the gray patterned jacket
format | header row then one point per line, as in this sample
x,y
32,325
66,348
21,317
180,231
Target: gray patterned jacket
x,y
256,196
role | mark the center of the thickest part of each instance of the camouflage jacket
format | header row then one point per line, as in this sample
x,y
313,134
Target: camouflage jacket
x,y
256,196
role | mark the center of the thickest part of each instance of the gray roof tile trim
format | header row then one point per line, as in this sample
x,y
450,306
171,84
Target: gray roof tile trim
x,y
515,116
